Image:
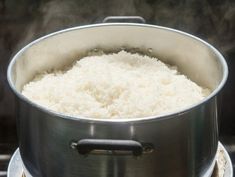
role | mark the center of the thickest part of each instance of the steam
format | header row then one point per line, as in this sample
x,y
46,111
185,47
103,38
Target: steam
x,y
213,21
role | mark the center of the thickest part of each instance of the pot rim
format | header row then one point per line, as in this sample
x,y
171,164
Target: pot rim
x,y
119,120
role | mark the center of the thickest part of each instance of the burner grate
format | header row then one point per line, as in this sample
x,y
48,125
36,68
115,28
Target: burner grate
x,y
5,156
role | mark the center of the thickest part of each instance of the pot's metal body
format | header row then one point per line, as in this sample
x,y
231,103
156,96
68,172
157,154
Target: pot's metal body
x,y
185,142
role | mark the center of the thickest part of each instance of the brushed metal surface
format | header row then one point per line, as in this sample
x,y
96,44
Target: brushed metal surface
x,y
185,142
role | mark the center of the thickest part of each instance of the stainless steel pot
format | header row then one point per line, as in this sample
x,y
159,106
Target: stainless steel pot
x,y
182,144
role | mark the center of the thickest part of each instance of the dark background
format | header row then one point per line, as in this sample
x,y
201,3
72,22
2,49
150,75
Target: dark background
x,y
22,21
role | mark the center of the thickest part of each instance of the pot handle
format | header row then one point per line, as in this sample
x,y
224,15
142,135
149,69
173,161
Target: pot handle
x,y
110,147
119,19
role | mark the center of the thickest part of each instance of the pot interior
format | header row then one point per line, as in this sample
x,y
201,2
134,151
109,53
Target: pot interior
x,y
194,58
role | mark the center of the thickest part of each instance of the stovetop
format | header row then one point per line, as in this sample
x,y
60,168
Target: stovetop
x,y
6,151
8,143
229,144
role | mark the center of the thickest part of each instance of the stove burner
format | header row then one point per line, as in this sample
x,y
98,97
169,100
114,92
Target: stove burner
x,y
223,167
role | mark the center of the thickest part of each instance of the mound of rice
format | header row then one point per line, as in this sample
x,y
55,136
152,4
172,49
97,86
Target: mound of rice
x,y
119,85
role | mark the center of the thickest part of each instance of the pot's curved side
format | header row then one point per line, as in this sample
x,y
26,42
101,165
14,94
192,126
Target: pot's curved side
x,y
183,146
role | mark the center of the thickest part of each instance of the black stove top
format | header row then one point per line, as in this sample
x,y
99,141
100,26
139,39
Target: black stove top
x,y
8,142
4,159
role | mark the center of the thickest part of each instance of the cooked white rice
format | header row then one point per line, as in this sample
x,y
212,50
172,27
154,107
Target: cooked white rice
x,y
120,85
